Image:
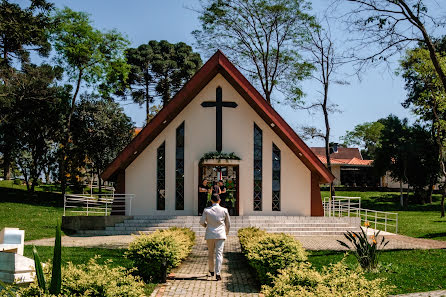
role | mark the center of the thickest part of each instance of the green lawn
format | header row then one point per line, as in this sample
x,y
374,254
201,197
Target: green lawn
x,y
77,255
421,221
36,213
409,270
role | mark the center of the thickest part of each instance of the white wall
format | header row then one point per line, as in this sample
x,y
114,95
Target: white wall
x,y
238,126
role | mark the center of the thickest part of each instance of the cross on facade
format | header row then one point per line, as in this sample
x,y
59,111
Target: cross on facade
x,y
219,104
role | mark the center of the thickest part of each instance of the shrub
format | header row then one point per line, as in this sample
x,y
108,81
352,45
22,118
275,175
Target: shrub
x,y
365,251
92,279
161,249
247,234
301,280
17,181
268,253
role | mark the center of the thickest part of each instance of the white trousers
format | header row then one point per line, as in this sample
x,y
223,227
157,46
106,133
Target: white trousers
x,y
215,247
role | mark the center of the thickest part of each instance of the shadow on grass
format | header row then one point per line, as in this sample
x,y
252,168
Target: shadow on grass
x,y
49,199
434,235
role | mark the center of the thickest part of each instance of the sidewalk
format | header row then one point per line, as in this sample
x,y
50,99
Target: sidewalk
x,y
190,279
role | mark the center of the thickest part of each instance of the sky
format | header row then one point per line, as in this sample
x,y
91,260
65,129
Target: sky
x,y
378,93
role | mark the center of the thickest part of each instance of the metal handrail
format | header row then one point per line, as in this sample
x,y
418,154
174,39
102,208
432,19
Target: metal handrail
x,y
343,206
97,203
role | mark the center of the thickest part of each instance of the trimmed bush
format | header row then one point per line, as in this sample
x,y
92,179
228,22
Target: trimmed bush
x,y
268,253
162,249
247,234
93,280
337,280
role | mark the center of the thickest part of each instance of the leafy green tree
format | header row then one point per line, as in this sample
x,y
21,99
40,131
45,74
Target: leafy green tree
x,y
37,113
89,56
101,130
366,135
408,153
159,69
22,30
427,97
263,37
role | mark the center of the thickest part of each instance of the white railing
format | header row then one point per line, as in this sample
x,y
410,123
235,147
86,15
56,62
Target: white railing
x,y
340,206
97,204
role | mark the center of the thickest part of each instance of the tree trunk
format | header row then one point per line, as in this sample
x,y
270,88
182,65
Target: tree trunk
x,y
401,194
6,166
67,138
442,201
99,182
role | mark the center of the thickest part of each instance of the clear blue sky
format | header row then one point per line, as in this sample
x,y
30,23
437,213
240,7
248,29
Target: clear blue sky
x,y
377,95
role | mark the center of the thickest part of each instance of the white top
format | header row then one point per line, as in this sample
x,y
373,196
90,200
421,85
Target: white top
x,y
216,221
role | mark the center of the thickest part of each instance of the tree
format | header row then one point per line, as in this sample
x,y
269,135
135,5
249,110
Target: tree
x,y
22,30
366,135
409,154
327,61
426,97
391,155
101,130
89,56
159,69
263,37
392,25
37,114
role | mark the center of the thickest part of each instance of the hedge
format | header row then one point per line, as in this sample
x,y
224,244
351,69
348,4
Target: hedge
x,y
336,280
267,253
282,268
152,253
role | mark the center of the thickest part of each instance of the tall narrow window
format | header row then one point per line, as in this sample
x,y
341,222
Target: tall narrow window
x,y
258,138
161,177
276,178
179,171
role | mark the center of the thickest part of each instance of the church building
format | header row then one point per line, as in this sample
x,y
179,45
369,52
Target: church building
x,y
219,127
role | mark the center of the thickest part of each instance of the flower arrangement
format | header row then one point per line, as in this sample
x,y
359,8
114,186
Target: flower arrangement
x,y
365,249
219,156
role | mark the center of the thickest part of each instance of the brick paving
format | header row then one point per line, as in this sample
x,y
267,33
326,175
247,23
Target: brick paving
x,y
191,278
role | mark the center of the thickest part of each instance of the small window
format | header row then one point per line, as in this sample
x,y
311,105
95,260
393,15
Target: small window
x,y
258,145
179,170
276,179
161,177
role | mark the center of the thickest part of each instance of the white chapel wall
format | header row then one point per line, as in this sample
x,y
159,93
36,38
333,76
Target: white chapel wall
x,y
238,126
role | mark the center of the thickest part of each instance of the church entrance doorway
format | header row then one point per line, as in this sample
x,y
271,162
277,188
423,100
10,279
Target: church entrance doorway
x,y
229,175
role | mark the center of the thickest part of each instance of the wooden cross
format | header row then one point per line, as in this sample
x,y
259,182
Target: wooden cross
x,y
219,104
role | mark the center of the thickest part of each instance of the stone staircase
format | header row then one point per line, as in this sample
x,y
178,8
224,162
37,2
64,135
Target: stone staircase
x,y
293,225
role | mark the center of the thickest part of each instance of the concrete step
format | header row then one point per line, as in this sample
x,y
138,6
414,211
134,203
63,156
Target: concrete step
x,y
240,225
202,233
268,229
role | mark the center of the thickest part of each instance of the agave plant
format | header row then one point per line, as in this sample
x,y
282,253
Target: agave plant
x,y
56,276
365,249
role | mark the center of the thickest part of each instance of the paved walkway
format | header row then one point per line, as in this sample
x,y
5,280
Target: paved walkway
x,y
308,242
441,293
191,278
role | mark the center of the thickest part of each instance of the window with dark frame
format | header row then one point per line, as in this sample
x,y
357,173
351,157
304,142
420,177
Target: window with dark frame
x,y
161,177
276,178
258,145
179,170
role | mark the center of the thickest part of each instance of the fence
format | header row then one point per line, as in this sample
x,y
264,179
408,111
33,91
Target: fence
x,y
340,206
97,204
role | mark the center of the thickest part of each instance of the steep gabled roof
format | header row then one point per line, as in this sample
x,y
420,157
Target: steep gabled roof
x,y
217,64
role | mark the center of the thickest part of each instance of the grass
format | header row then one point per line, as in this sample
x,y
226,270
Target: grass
x,y
409,271
422,221
78,255
36,213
